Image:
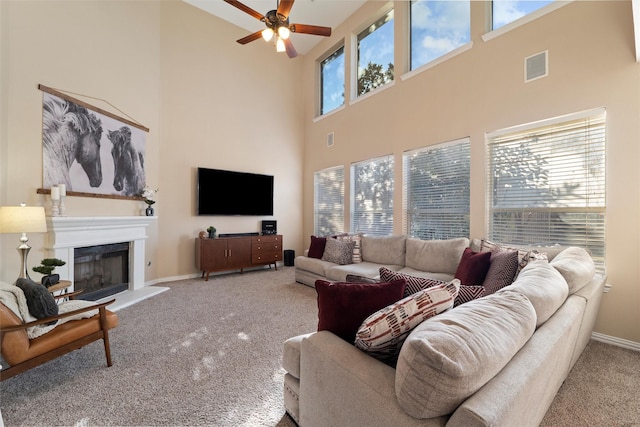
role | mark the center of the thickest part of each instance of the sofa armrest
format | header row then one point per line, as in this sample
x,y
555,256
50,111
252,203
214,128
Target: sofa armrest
x,y
342,385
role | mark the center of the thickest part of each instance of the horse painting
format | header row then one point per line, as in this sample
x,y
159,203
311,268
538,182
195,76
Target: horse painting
x,y
70,133
128,162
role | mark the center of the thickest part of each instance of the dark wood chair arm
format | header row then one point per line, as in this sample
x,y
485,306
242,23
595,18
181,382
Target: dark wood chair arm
x,y
100,307
70,295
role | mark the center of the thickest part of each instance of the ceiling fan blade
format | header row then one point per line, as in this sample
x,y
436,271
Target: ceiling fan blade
x,y
310,29
250,37
291,51
259,16
285,7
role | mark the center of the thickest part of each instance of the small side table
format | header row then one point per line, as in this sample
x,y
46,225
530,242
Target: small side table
x,y
61,287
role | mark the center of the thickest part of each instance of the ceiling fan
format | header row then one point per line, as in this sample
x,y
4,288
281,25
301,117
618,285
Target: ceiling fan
x,y
277,22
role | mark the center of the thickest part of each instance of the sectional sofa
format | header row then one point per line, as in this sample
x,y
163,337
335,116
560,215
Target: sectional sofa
x,y
497,360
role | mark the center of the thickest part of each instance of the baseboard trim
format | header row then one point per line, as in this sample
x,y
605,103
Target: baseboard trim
x,y
619,342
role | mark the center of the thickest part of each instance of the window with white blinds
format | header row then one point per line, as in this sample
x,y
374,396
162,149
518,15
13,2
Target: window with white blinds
x,y
328,203
436,191
372,196
546,183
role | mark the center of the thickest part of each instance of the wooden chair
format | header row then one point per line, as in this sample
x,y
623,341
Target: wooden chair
x,y
22,353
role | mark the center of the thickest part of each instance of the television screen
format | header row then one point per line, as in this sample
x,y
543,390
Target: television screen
x,y
222,192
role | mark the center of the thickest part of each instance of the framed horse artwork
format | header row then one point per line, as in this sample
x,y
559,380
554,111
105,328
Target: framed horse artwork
x,y
93,152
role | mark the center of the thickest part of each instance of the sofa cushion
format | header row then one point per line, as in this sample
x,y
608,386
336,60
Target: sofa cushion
x,y
338,273
576,266
313,265
342,307
449,357
473,267
338,251
356,238
544,286
502,271
438,256
39,300
381,334
316,249
384,249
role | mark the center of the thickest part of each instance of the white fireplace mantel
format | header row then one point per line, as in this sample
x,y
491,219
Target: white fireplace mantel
x,y
67,233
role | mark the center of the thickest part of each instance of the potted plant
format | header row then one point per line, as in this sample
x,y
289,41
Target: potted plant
x,y
46,267
212,232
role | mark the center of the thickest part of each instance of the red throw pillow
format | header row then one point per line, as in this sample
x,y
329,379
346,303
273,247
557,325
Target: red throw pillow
x,y
342,307
473,267
316,250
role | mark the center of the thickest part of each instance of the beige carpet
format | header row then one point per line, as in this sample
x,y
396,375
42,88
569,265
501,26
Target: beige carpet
x,y
209,354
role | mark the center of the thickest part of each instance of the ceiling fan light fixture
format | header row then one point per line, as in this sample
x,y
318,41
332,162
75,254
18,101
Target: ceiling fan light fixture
x,y
280,45
267,34
284,32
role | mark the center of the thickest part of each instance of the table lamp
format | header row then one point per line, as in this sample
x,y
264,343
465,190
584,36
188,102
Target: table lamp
x,y
23,219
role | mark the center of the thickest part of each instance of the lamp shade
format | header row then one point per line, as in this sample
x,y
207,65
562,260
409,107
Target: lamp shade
x,y
22,219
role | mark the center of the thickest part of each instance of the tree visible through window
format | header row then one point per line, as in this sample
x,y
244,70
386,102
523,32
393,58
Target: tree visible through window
x,y
375,54
437,28
372,196
436,191
506,11
332,81
328,203
547,185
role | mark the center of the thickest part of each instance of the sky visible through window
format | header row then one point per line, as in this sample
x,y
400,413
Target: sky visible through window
x,y
437,28
507,11
375,44
332,70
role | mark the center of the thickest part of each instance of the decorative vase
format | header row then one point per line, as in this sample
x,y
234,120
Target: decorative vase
x,y
149,211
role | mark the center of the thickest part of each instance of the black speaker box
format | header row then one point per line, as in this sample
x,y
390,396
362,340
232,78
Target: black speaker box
x,y
269,227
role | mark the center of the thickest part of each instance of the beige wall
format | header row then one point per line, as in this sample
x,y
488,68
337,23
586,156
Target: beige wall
x,y
207,101
211,102
592,64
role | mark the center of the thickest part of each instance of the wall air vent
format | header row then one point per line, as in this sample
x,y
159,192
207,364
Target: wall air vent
x,y
536,66
330,139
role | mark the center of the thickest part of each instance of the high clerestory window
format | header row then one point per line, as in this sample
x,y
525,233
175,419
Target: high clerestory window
x,y
375,55
328,202
372,196
504,12
546,184
332,81
436,191
437,28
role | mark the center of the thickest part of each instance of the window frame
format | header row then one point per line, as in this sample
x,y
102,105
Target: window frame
x,y
326,174
591,212
376,228
355,55
536,14
320,62
438,213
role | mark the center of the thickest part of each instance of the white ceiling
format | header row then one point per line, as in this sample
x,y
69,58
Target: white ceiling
x,y
327,13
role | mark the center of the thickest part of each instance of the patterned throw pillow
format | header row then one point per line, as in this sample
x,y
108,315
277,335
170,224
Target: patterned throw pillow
x,y
414,284
524,255
338,252
342,307
504,264
381,334
357,239
469,293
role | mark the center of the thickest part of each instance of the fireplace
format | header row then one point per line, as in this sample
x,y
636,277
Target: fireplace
x,y
70,234
101,270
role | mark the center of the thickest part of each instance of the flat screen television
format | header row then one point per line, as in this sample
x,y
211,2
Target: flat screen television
x,y
223,192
